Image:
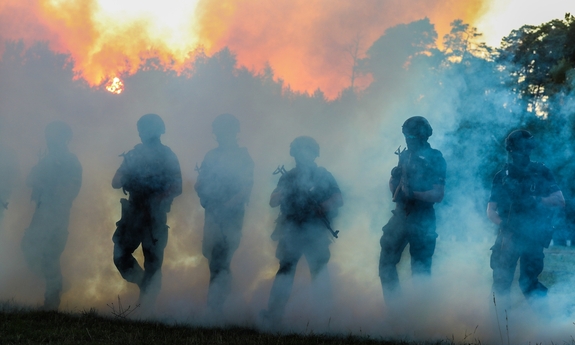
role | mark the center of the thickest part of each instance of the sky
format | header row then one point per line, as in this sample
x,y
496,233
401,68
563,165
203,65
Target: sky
x,y
308,44
502,16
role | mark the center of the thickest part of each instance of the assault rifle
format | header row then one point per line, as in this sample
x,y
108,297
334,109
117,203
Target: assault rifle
x,y
322,216
398,192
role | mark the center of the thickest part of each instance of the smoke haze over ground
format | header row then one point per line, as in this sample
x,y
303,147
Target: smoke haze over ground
x,y
357,138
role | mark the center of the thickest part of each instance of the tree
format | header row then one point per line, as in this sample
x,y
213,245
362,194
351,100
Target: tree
x,y
393,52
462,40
539,58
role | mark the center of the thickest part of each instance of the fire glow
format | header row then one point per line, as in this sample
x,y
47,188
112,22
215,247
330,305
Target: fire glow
x,y
307,44
115,85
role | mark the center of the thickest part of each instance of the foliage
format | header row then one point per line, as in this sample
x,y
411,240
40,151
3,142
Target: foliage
x,y
539,59
463,40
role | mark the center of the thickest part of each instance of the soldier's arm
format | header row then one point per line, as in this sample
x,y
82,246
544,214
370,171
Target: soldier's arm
x,y
70,188
433,195
393,183
394,179
492,213
278,193
174,188
117,180
437,179
335,201
555,199
276,197
173,172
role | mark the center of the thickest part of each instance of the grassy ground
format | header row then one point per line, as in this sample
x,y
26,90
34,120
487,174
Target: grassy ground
x,y
559,265
20,326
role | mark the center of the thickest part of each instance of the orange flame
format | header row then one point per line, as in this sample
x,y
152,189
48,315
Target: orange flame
x,y
115,85
308,44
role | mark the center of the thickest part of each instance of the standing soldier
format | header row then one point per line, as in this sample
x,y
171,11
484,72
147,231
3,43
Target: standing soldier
x,y
417,183
151,174
55,183
224,186
523,196
8,177
309,198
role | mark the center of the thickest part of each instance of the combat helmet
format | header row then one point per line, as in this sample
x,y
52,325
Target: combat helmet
x,y
58,132
226,125
151,126
520,140
304,143
417,126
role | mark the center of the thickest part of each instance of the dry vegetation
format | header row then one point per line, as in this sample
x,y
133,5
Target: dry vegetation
x,y
27,326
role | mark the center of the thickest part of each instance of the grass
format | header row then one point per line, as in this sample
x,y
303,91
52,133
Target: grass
x,y
23,325
28,326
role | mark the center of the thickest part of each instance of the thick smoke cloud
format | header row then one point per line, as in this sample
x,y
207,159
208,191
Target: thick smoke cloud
x,y
357,139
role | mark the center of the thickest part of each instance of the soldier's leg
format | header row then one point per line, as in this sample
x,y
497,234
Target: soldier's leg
x,y
125,262
317,260
289,254
220,277
153,247
53,276
504,256
51,267
317,255
393,242
127,238
220,260
31,248
422,238
421,251
530,266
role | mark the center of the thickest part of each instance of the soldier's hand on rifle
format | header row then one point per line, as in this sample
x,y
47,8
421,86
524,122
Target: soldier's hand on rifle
x,y
407,191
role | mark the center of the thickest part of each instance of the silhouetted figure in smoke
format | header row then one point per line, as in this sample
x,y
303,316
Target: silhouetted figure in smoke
x,y
224,186
55,183
417,183
8,177
523,198
151,174
308,196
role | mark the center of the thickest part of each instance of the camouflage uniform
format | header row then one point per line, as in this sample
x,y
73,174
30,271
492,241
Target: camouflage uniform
x,y
413,221
55,183
525,228
301,230
225,173
152,177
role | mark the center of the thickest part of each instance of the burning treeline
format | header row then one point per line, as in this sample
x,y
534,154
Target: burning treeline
x,y
309,45
460,92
